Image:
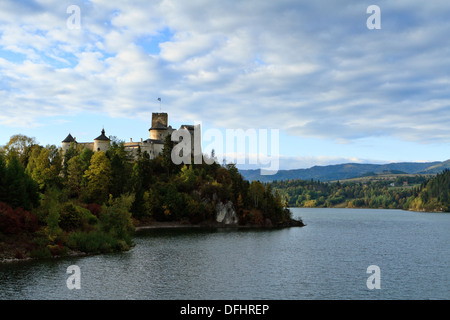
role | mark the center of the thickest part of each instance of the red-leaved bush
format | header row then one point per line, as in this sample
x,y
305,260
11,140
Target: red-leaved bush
x,y
15,221
95,209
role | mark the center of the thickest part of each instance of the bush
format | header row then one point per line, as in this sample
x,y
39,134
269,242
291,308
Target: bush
x,y
95,209
40,253
16,221
255,216
57,249
69,218
73,217
96,242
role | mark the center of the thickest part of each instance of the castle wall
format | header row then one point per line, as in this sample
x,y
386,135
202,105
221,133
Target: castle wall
x,y
152,149
87,145
158,133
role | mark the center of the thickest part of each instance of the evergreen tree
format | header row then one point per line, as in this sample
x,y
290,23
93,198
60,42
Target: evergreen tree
x,y
166,156
21,189
120,169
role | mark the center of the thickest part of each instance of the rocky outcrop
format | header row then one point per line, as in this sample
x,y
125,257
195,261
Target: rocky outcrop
x,y
226,214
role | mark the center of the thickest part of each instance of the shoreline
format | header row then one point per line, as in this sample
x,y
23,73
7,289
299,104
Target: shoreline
x,y
9,258
342,207
70,254
214,224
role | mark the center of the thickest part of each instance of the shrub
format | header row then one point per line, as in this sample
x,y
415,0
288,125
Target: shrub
x,y
16,221
255,216
40,253
95,209
73,217
69,218
96,242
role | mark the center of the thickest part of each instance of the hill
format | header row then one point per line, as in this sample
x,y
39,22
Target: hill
x,y
437,168
347,171
386,191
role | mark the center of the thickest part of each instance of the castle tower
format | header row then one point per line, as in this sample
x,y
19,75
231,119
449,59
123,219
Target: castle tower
x,y
102,142
159,129
67,142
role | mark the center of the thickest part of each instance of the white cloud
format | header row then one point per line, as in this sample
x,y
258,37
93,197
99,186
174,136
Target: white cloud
x,y
311,68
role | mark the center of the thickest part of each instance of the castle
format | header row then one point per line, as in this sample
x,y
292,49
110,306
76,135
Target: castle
x,y
153,146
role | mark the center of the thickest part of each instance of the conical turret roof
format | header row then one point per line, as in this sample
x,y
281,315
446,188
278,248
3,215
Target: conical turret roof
x,y
69,139
102,137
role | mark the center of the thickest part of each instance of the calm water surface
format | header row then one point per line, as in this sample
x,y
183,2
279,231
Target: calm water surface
x,y
327,259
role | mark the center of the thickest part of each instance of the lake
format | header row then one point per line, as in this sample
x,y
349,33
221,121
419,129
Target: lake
x,y
326,259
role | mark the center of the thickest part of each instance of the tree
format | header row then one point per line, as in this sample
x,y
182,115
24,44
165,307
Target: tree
x,y
166,155
237,181
39,166
19,146
56,165
256,193
116,217
188,177
120,168
98,178
173,203
141,180
74,179
21,189
44,166
3,186
85,157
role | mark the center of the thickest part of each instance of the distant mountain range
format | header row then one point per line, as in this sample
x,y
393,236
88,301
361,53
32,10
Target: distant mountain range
x,y
348,171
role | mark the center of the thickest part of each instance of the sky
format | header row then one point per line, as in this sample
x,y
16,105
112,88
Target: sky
x,y
335,90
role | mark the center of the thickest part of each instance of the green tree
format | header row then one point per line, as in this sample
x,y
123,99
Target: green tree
x,y
98,178
188,177
85,158
121,167
3,186
39,166
256,193
166,156
73,151
116,217
19,146
21,189
74,178
44,166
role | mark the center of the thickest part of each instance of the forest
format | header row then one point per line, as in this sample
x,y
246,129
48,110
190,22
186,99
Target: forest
x,y
420,193
54,203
